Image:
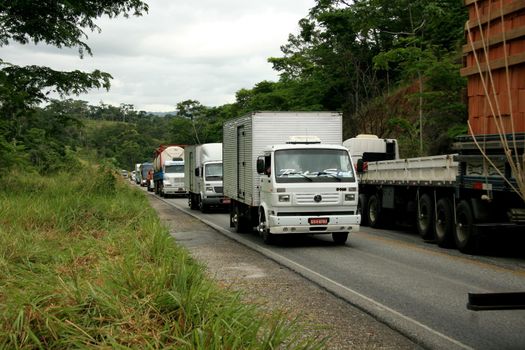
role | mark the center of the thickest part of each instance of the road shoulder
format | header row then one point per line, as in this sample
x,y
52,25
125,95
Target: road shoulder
x,y
275,287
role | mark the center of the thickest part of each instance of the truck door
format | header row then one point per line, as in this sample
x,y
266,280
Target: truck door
x,y
191,172
241,163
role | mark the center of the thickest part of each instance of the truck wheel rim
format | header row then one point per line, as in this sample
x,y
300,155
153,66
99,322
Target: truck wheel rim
x,y
373,212
440,225
462,229
423,219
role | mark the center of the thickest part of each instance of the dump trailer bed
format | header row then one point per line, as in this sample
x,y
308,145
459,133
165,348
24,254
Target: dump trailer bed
x,y
439,170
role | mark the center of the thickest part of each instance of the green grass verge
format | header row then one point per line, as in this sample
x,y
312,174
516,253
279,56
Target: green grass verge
x,y
86,263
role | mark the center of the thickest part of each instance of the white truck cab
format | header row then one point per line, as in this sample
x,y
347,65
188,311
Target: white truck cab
x,y
173,178
212,183
204,175
308,187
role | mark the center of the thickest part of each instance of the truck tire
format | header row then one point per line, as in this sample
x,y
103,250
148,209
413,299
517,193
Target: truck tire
x,y
464,233
192,201
340,237
362,207
267,236
373,212
202,207
425,218
239,220
444,223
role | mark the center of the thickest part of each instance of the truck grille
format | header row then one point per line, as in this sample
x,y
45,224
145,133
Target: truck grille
x,y
326,198
218,189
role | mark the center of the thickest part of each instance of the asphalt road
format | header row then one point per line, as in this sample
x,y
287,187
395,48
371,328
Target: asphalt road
x,y
413,286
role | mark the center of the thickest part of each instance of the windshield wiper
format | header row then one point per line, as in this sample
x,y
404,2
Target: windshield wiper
x,y
297,173
329,174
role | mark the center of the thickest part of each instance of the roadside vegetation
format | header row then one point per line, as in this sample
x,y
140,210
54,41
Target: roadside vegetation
x,y
85,262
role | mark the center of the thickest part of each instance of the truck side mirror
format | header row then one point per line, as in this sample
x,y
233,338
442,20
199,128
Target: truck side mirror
x,y
197,172
360,167
260,165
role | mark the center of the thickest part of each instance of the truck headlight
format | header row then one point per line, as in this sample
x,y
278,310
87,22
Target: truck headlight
x,y
166,182
209,189
284,198
349,196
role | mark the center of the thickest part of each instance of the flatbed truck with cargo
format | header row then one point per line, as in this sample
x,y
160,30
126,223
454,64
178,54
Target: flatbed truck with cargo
x,y
454,199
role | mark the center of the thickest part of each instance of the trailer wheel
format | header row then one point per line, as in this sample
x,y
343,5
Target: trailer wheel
x,y
444,224
362,207
464,232
340,237
425,218
373,211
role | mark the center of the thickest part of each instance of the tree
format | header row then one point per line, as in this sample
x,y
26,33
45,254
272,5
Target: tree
x,y
194,112
60,23
342,44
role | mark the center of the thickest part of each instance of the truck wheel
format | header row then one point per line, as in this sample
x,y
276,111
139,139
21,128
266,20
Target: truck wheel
x,y
265,233
444,224
362,207
268,238
239,220
340,237
464,233
373,212
202,207
425,218
192,202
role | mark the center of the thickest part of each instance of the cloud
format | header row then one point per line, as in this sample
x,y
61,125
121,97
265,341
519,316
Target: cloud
x,y
204,50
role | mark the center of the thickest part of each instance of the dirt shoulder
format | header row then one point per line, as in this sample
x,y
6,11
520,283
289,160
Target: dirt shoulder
x,y
275,287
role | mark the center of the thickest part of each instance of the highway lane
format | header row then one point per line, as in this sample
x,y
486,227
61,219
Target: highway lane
x,y
413,286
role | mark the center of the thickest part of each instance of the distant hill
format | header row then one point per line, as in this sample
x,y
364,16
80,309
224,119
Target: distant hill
x,y
162,114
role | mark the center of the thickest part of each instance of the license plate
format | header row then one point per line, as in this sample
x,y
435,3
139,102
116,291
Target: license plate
x,y
318,221
226,201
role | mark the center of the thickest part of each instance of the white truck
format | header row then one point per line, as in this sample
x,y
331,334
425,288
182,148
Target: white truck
x,y
453,199
168,170
287,173
203,176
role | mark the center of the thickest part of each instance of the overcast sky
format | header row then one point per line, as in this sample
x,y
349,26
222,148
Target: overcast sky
x,y
204,50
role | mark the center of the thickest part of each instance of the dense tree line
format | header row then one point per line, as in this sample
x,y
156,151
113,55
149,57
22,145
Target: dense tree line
x,y
391,68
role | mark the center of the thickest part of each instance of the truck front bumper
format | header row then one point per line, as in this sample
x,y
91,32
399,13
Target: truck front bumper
x,y
174,190
301,224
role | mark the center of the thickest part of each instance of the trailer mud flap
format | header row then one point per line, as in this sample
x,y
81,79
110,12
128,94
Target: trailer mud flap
x,y
496,301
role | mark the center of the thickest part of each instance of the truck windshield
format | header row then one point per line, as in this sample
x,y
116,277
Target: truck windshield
x,y
145,168
175,168
313,165
213,172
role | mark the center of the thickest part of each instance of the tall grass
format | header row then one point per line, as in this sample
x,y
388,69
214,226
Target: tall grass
x,y
85,262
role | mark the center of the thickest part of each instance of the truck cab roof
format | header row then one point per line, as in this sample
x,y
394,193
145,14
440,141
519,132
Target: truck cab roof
x,y
303,146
